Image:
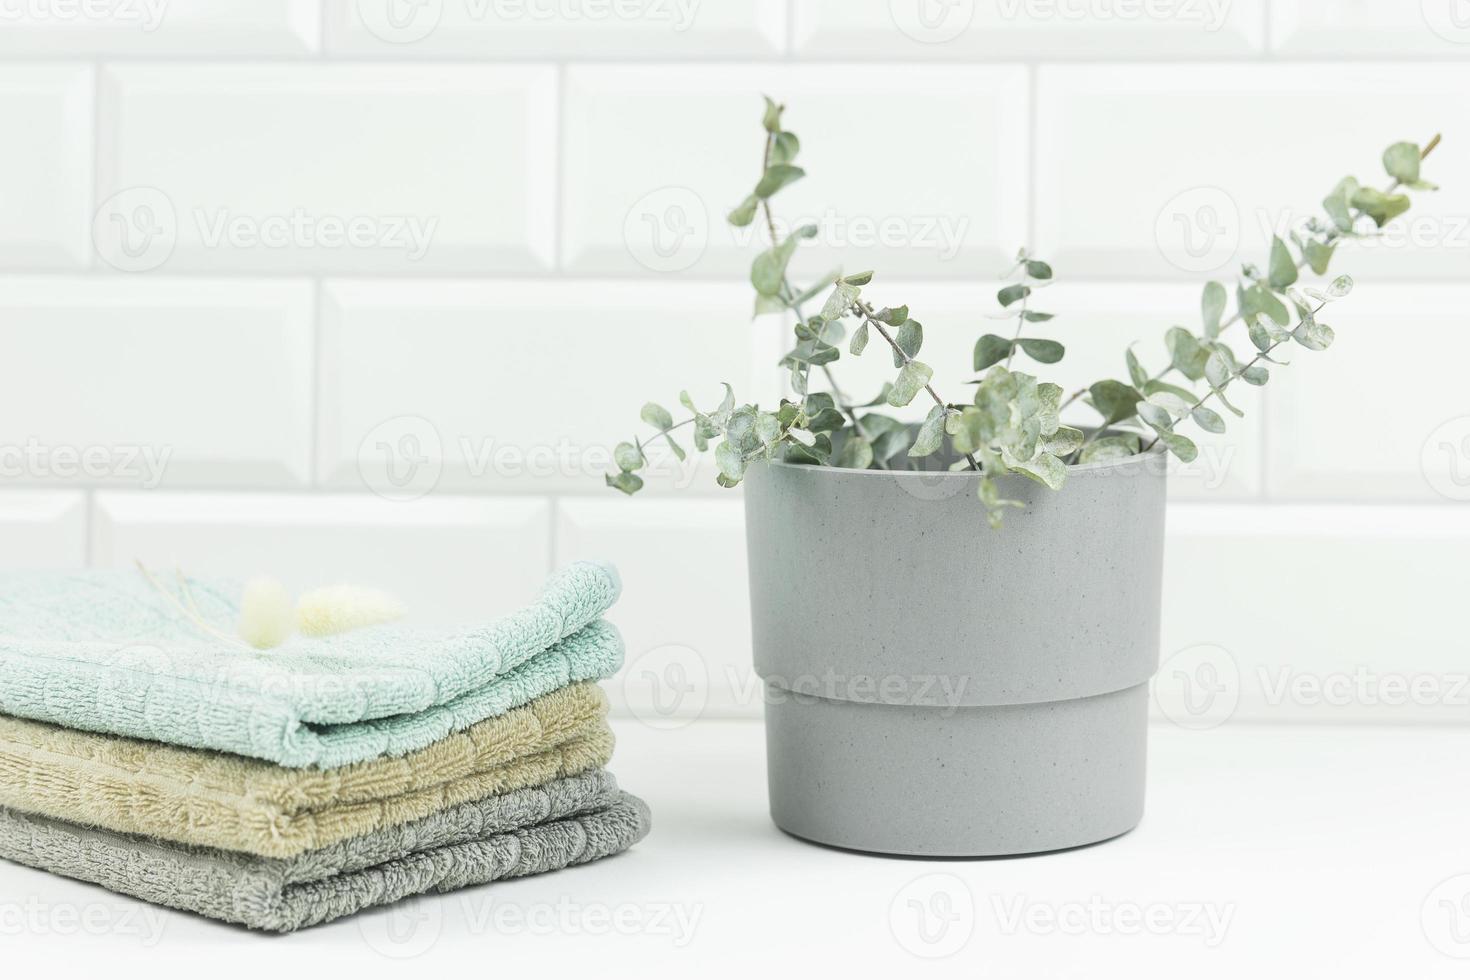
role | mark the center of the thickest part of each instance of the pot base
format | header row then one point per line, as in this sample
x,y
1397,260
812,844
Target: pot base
x,y
984,781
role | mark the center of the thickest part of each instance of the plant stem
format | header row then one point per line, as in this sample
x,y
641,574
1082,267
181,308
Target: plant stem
x,y
868,315
1020,325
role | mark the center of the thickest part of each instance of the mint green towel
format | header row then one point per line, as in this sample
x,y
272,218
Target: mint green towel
x,y
106,652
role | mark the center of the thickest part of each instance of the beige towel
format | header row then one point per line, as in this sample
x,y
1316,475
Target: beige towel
x,y
196,796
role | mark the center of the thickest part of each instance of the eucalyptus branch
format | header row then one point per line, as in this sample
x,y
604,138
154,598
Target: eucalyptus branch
x,y
1013,424
1332,236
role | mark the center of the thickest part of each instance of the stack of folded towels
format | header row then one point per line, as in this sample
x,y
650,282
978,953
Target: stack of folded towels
x,y
288,787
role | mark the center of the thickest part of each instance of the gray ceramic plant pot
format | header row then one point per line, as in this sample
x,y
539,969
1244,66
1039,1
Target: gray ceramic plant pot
x,y
934,687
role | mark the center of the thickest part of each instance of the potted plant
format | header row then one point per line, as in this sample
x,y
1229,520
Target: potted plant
x,y
956,620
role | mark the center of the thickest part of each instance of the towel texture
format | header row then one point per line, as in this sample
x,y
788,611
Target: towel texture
x,y
527,832
238,804
107,652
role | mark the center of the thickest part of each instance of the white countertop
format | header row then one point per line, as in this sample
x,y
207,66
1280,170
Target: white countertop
x,y
1280,852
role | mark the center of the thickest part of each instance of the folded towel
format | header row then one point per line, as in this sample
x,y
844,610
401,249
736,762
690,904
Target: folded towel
x,y
233,803
108,652
563,823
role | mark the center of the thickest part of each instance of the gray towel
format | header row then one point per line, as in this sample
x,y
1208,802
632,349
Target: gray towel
x,y
544,828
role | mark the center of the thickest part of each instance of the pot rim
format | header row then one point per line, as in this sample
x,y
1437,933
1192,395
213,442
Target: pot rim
x,y
1137,459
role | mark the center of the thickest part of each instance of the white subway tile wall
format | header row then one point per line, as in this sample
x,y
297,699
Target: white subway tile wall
x,y
366,290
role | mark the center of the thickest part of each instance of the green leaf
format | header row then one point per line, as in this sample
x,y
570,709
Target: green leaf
x,y
1212,308
1110,447
1258,300
1186,353
1154,387
1044,468
1218,370
1180,446
1136,373
931,434
1114,400
1402,162
859,278
1381,207
629,483
768,272
856,454
819,452
859,340
1011,294
910,338
1043,351
910,381
744,212
991,349
784,148
1172,403
657,416
1155,415
730,461
1255,374
777,177
843,295
1064,441
1338,204
1319,256
1340,287
1036,316
1260,336
628,457
772,119
1037,270
1208,419
892,316
1283,270
1313,335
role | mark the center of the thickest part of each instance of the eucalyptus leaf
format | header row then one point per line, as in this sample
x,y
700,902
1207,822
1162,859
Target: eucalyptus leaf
x,y
629,483
657,416
1401,160
1255,374
1217,370
1037,269
1180,446
1155,415
931,434
1208,419
1136,373
776,177
1282,270
859,340
843,295
1011,294
1043,351
744,212
910,381
1212,308
730,461
1186,353
1044,468
910,338
856,453
893,316
628,457
772,119
1319,256
1114,400
784,147
1119,446
991,349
